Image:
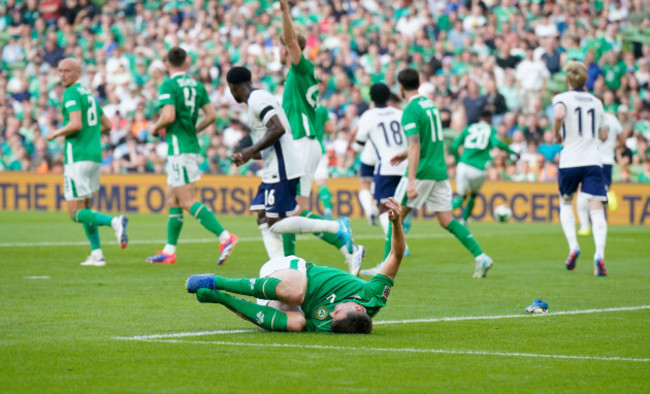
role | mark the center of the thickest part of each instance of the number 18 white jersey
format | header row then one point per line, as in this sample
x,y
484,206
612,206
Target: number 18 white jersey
x,y
584,117
383,127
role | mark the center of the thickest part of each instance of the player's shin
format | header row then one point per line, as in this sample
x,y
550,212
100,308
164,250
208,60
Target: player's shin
x,y
264,316
467,212
600,231
272,242
325,196
263,288
365,198
388,238
456,202
582,207
87,215
289,244
303,225
207,219
174,226
330,238
93,235
568,221
465,237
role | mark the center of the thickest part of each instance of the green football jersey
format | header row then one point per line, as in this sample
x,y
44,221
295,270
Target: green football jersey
x,y
478,139
300,98
322,116
85,144
328,287
187,96
421,116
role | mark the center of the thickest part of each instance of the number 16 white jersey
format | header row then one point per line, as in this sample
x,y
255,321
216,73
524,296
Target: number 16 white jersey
x,y
383,127
584,117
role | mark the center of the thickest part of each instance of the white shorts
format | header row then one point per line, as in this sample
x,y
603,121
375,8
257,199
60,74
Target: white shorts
x,y
322,170
469,178
183,169
310,153
281,263
437,194
81,179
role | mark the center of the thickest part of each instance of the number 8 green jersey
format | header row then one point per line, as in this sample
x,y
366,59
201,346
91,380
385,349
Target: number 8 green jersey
x,y
187,96
300,99
85,144
421,116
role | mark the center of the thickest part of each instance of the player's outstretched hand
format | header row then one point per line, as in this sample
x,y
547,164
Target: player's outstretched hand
x,y
242,157
52,134
283,4
394,210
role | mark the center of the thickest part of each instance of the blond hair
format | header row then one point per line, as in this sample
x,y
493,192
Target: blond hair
x,y
576,73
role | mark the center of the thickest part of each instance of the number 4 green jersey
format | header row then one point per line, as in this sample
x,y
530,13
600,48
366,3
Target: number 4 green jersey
x,y
85,144
421,116
300,98
187,96
478,139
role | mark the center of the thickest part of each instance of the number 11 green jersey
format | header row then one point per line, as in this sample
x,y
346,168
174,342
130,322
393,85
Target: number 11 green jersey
x,y
421,116
187,96
85,144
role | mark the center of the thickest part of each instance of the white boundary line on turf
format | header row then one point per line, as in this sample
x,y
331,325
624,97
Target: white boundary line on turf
x,y
406,350
184,334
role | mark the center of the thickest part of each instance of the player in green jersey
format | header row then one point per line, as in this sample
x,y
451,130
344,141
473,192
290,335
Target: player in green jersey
x,y
323,125
83,121
426,179
181,97
297,296
477,140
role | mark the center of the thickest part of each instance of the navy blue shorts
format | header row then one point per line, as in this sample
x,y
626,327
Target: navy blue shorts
x,y
590,179
607,172
385,186
278,200
366,171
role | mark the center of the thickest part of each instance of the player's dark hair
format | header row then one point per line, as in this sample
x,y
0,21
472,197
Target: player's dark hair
x,y
379,93
409,78
238,76
355,322
393,98
176,56
486,114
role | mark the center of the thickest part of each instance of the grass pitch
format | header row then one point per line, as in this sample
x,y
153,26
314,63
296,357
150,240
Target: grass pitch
x,y
130,326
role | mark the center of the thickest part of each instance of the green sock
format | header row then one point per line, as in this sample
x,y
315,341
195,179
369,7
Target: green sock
x,y
467,212
387,240
465,237
289,244
174,225
264,316
258,287
331,239
206,217
93,235
89,216
325,196
456,202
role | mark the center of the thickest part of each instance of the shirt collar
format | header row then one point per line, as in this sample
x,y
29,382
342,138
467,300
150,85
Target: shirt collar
x,y
174,75
415,97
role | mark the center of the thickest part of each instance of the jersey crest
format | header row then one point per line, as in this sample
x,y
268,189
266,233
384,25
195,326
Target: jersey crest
x,y
322,313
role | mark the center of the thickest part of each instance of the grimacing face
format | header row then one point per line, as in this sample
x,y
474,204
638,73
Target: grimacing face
x,y
341,310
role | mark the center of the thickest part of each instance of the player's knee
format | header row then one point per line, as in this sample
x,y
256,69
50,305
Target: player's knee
x,y
296,322
290,293
187,203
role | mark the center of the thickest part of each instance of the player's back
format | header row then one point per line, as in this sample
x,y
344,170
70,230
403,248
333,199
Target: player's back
x,y
583,118
187,96
477,145
614,129
382,126
85,144
421,116
300,98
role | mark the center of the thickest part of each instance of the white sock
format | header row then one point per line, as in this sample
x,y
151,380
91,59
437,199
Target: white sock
x,y
169,249
383,220
365,198
599,227
303,225
479,258
568,221
344,251
97,254
272,242
223,237
582,206
115,222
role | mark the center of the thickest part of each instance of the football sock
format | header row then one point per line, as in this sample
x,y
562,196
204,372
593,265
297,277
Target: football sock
x,y
264,316
599,229
465,237
365,198
206,217
93,235
272,242
467,212
387,240
325,196
582,206
456,202
303,225
568,222
288,244
384,222
174,225
87,215
263,288
330,238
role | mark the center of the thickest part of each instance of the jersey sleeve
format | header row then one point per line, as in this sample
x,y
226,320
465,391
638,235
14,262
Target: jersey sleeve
x,y
494,141
165,94
263,105
201,95
558,99
409,122
303,67
364,130
71,100
379,287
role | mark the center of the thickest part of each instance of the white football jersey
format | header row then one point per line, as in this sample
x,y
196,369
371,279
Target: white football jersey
x,y
383,128
369,154
584,117
281,160
614,129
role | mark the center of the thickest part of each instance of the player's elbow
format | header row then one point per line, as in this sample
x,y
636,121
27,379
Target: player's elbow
x,y
75,125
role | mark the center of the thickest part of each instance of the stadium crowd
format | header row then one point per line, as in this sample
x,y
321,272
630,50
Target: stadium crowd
x,y
504,55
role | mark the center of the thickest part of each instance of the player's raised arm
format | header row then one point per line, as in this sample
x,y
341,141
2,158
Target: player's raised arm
x,y
391,265
289,34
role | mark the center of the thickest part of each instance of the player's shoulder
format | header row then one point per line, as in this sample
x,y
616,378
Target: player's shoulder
x,y
258,95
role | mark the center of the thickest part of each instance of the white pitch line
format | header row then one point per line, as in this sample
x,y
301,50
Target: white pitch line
x,y
183,334
407,350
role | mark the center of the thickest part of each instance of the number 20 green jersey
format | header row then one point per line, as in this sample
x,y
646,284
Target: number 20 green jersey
x,y
300,99
187,96
85,144
478,139
421,116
